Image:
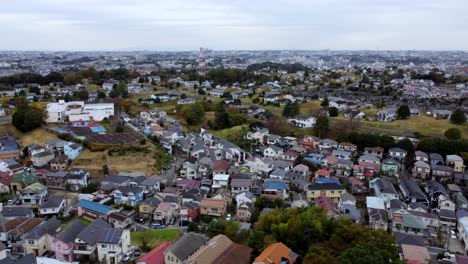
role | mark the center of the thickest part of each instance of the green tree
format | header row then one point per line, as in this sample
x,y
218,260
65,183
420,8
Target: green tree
x,y
221,117
453,133
27,118
291,109
403,112
458,117
333,111
322,126
363,254
82,95
194,114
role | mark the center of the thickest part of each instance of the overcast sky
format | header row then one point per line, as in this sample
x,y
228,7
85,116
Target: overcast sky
x,y
233,24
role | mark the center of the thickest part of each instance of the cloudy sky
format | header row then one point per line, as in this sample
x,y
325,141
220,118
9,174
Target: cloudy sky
x,y
233,24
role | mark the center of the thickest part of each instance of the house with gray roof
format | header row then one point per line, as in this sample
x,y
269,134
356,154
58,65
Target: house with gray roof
x,y
63,243
53,205
384,189
39,239
184,247
412,192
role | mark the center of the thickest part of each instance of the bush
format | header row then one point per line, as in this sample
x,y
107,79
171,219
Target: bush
x,y
453,134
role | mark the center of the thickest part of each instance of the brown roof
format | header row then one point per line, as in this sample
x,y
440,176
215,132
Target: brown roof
x,y
275,253
411,252
212,203
11,224
374,149
26,226
211,251
236,254
221,165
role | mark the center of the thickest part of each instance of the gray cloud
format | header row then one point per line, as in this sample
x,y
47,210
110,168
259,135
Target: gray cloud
x,y
224,24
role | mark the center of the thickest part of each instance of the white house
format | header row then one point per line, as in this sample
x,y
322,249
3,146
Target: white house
x,y
302,121
220,180
273,152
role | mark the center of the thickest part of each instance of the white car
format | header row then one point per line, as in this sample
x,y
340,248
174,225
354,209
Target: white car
x,y
127,256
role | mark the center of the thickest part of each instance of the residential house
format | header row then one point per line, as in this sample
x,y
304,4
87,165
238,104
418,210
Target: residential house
x,y
56,179
436,159
56,146
328,144
261,166
384,189
421,156
33,194
15,235
220,249
374,151
53,205
150,185
342,154
421,170
415,254
42,159
330,190
213,207
155,256
244,212
189,212
344,168
301,169
412,192
347,146
273,152
326,203
302,121
72,150
128,195
245,197
378,218
275,189
241,185
147,207
456,162
92,210
397,154
12,212
276,253
386,115
165,212
112,244
39,239
370,162
64,242
77,179
442,172
119,220
390,167
184,247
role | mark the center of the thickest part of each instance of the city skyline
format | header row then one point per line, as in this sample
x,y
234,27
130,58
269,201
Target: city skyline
x,y
122,25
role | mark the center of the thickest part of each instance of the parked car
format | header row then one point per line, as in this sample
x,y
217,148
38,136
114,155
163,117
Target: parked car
x,y
157,226
172,221
140,220
137,252
127,256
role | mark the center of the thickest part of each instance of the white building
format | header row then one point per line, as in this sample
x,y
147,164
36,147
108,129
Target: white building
x,y
303,122
78,111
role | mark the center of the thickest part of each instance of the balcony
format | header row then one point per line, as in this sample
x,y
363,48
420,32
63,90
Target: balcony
x,y
83,249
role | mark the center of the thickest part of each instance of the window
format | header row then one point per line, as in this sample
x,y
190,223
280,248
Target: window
x,y
31,242
103,246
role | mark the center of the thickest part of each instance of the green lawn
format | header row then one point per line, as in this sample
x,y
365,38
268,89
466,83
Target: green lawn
x,y
224,133
154,237
84,221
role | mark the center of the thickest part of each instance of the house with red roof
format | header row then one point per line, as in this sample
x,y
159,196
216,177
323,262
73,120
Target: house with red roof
x,y
322,173
155,256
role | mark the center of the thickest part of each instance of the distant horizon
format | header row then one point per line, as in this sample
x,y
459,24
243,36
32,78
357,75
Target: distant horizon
x,y
253,50
182,25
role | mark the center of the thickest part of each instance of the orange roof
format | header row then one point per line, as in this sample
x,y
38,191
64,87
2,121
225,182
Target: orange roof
x,y
275,253
212,203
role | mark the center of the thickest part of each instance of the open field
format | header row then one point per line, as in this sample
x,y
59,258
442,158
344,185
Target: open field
x,y
93,161
310,106
38,136
154,237
423,124
224,133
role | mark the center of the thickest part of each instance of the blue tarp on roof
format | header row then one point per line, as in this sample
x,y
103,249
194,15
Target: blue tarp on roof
x,y
95,207
327,180
147,131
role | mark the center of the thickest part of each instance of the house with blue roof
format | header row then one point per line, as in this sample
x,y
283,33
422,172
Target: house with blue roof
x,y
274,188
314,158
327,180
92,210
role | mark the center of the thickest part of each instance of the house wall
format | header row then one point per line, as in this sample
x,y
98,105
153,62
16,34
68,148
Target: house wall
x,y
63,251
